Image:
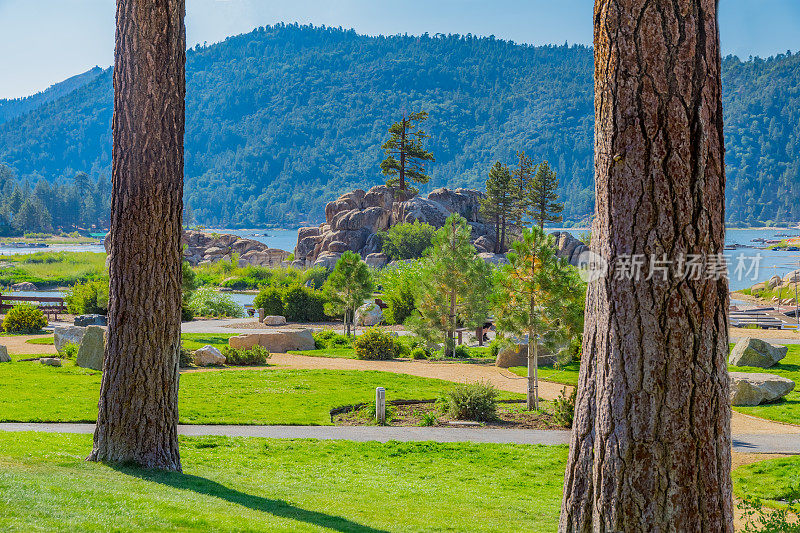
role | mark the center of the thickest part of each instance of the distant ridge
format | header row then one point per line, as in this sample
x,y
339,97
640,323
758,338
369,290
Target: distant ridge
x,y
10,109
286,118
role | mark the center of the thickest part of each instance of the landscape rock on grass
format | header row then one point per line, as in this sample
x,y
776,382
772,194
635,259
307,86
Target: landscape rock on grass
x,y
64,335
92,348
756,352
748,389
4,357
276,341
208,355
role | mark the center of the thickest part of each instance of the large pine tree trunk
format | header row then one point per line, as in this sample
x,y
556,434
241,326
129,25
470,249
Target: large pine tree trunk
x,y
138,405
651,440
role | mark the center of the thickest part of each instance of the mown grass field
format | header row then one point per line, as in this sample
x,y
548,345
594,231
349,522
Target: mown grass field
x,y
53,269
32,392
775,481
253,484
787,410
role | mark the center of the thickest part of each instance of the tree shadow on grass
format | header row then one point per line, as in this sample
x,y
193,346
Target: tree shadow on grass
x,y
279,508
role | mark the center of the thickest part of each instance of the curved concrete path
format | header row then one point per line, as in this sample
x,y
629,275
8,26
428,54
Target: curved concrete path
x,y
772,444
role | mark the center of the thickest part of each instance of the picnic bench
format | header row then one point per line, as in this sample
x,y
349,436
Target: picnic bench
x,y
50,305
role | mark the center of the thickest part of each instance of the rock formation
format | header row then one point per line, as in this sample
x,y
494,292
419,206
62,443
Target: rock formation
x,y
755,389
756,352
202,247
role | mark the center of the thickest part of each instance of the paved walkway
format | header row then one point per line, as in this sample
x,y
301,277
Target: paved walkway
x,y
772,444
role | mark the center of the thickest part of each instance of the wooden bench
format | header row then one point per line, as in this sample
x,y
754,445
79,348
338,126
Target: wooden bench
x,y
50,305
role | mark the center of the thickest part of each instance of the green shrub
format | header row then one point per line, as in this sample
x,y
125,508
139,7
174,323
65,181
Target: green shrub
x,y
271,300
407,241
90,297
24,318
427,418
205,301
328,338
419,353
473,401
375,344
187,315
403,349
461,352
494,348
316,277
185,360
257,355
397,284
69,351
564,408
761,519
302,304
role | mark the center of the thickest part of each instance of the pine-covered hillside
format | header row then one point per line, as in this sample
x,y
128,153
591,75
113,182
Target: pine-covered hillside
x,y
284,119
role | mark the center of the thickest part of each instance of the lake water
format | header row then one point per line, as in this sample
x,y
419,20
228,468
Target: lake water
x,y
771,262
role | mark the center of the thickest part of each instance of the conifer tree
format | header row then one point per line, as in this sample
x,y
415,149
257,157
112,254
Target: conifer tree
x,y
405,154
539,296
500,203
454,286
540,197
523,176
347,287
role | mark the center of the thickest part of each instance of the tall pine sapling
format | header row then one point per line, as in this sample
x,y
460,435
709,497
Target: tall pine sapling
x,y
539,296
454,287
541,197
500,202
348,286
405,154
523,176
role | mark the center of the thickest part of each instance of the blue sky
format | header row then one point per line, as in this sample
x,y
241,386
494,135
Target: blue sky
x,y
45,41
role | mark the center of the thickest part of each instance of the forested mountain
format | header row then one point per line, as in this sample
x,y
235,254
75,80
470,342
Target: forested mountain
x,y
284,119
19,106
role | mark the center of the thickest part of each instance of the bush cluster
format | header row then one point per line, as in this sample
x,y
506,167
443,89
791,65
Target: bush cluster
x,y
206,301
90,297
473,401
376,344
327,338
24,318
230,274
257,355
407,241
69,351
564,408
297,303
397,284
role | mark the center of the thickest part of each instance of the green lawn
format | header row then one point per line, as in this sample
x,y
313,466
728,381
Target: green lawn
x,y
253,484
191,341
567,375
341,353
775,481
32,392
195,341
787,410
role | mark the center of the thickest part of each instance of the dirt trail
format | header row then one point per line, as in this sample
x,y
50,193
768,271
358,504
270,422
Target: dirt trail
x,y
17,345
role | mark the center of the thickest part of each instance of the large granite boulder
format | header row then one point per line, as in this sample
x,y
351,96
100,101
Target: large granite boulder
x,y
568,247
274,320
510,356
755,388
91,320
369,314
24,286
353,221
774,281
377,260
4,357
756,352
92,348
208,355
275,341
64,335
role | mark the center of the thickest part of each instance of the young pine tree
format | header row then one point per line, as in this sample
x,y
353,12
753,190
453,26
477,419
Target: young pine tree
x,y
405,154
347,287
523,176
541,296
500,202
540,197
454,286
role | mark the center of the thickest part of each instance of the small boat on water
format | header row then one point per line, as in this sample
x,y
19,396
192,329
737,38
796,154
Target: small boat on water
x,y
758,239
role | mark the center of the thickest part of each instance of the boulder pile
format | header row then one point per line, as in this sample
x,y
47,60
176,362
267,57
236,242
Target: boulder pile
x,y
204,248
353,221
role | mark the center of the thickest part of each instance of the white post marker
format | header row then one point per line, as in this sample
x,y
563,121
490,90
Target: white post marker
x,y
380,405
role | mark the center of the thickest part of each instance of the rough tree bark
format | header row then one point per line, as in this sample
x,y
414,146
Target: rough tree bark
x,y
651,440
138,404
